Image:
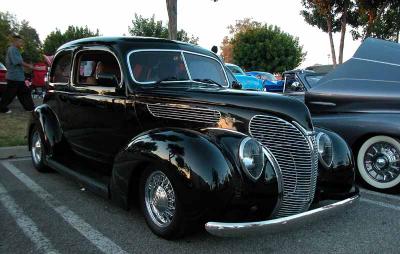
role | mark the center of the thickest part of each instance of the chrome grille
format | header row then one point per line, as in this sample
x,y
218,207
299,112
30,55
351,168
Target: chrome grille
x,y
184,113
296,155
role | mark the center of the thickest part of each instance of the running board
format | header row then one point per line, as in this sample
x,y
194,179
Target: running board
x,y
98,187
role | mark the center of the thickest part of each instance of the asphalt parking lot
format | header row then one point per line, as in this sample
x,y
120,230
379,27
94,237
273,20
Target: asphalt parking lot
x,y
48,213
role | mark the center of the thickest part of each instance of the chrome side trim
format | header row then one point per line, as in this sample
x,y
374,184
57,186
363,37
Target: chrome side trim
x,y
184,113
271,158
270,226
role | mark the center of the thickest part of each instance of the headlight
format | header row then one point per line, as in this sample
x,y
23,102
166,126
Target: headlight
x,y
252,158
324,144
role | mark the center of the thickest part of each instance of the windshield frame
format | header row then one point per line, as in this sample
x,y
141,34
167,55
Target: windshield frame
x,y
184,60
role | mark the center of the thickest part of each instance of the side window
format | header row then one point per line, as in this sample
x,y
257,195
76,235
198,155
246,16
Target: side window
x,y
61,69
97,68
293,84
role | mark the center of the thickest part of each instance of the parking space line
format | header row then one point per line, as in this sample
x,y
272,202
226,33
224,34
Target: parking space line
x,y
25,223
378,194
378,203
103,243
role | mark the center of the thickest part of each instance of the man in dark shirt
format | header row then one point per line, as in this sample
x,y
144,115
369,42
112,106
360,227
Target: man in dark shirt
x,y
16,78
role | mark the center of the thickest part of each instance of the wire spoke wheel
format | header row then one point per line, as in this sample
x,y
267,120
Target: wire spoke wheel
x,y
159,199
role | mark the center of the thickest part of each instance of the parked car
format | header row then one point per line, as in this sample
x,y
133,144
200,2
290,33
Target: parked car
x,y
3,81
155,119
248,82
297,82
360,100
270,82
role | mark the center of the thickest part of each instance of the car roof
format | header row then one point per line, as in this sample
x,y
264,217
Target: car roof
x,y
126,41
2,67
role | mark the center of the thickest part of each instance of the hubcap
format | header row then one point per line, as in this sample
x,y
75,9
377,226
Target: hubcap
x,y
382,161
36,148
160,199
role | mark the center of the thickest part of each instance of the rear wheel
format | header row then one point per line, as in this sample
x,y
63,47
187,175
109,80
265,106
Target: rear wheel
x,y
160,204
37,151
378,162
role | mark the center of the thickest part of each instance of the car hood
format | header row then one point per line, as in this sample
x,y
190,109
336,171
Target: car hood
x,y
369,81
239,103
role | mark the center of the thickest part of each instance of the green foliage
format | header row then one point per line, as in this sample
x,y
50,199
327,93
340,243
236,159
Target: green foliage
x,y
266,48
149,27
377,18
8,25
32,46
56,38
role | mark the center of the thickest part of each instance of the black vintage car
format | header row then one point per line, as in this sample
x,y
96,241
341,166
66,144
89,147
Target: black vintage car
x,y
154,120
360,101
298,82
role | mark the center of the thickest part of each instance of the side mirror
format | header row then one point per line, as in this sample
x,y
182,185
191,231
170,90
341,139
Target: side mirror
x,y
107,79
236,85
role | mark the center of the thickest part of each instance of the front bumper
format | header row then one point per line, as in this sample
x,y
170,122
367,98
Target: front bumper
x,y
280,224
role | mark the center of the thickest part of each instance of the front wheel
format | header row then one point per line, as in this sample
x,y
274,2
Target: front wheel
x,y
160,204
378,162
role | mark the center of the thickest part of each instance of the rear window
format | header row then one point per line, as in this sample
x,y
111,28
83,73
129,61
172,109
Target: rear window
x,y
2,67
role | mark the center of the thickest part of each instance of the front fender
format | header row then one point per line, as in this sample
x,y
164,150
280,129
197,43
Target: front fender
x,y
204,173
44,118
340,176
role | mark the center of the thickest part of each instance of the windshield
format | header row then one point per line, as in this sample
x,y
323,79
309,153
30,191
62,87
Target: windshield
x,y
152,66
149,67
236,69
268,76
201,68
312,80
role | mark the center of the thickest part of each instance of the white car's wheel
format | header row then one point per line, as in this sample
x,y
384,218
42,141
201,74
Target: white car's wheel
x,y
378,162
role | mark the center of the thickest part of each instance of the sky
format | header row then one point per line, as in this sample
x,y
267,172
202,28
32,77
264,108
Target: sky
x,y
202,18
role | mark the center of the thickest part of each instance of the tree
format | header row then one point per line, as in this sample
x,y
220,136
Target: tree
x,y
172,9
56,38
150,27
266,48
378,18
330,16
9,25
32,51
239,26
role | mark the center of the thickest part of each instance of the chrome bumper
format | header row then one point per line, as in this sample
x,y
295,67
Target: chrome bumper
x,y
280,224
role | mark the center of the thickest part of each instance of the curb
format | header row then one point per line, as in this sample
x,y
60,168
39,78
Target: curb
x,y
13,152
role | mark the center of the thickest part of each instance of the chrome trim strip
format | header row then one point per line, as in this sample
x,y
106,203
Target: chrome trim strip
x,y
271,158
184,59
270,226
166,111
375,61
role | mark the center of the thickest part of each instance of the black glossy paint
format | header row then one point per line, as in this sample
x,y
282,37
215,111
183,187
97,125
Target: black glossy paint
x,y
113,131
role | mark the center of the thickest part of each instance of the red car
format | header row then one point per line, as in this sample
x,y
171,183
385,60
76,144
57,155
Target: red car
x,y
3,71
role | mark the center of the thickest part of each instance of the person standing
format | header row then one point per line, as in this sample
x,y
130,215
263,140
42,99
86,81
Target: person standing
x,y
16,78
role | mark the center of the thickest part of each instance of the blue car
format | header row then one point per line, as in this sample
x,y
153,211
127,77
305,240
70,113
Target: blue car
x,y
248,82
271,84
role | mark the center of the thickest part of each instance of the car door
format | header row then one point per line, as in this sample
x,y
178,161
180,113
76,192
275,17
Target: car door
x,y
95,105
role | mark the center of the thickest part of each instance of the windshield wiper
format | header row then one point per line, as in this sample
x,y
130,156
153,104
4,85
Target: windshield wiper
x,y
157,83
208,81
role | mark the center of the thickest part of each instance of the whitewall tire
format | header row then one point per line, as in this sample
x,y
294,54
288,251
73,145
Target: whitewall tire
x,y
378,162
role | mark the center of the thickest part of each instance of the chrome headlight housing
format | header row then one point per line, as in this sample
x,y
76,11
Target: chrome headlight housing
x,y
325,149
251,156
